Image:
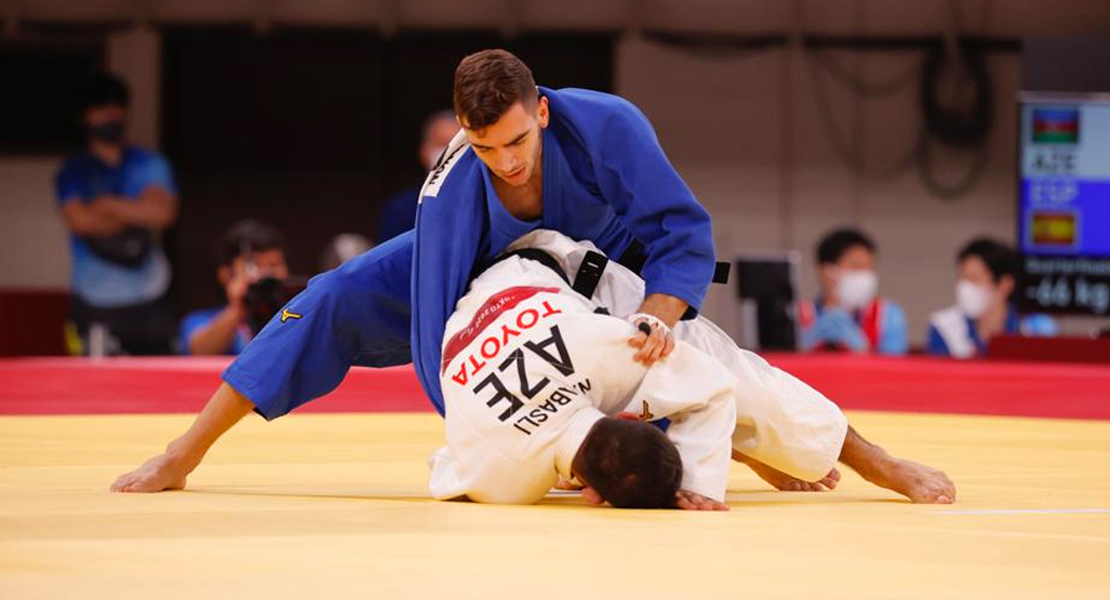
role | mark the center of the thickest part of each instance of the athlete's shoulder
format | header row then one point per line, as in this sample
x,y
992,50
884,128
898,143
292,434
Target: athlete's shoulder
x,y
457,163
592,104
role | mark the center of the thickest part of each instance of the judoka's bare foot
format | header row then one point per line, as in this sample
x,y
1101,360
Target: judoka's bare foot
x,y
158,474
786,483
921,484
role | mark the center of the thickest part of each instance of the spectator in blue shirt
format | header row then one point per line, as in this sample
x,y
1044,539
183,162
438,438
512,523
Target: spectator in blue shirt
x,y
849,314
116,198
399,213
984,307
252,251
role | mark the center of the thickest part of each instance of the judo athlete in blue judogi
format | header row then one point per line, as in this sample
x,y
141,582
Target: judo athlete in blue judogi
x,y
584,163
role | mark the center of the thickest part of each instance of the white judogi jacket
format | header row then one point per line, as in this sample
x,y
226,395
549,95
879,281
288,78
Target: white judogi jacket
x,y
779,420
529,367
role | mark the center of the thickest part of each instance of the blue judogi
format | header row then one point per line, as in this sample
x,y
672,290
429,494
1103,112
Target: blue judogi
x,y
605,179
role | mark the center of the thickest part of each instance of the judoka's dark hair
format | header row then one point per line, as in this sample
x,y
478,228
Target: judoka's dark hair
x,y
103,89
835,244
630,464
1000,259
488,83
250,235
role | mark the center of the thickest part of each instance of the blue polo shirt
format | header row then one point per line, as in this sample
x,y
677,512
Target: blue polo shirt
x,y
199,319
98,281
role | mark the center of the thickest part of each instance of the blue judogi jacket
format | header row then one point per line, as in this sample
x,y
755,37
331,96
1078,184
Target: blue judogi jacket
x,y
605,179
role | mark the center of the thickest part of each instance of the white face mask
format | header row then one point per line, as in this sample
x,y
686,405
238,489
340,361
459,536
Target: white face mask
x,y
972,298
856,288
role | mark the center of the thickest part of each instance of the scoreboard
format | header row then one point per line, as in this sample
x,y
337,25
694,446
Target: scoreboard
x,y
1064,203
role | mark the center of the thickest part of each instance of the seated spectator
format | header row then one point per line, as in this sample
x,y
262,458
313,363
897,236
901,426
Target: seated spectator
x,y
848,314
399,213
116,198
252,251
984,304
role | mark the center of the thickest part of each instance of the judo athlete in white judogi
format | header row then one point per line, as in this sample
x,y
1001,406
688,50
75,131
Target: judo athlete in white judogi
x,y
530,368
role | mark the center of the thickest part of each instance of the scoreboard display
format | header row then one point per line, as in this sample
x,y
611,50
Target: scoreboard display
x,y
1064,203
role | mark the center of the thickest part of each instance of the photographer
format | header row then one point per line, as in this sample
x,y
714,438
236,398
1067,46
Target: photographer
x,y
116,198
251,271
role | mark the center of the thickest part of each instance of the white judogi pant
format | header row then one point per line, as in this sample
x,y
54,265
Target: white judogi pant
x,y
772,416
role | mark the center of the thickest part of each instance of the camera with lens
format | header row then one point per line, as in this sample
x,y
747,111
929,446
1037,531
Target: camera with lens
x,y
265,298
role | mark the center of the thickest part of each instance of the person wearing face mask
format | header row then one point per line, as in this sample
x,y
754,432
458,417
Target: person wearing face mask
x,y
252,252
984,308
399,213
849,314
116,198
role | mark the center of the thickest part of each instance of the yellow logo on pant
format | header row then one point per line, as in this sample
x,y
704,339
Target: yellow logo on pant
x,y
286,315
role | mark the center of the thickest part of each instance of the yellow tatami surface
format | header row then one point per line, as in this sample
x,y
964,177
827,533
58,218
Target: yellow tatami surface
x,y
335,506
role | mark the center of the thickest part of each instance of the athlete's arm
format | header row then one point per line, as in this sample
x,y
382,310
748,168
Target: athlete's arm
x,y
660,343
660,211
167,471
697,393
654,203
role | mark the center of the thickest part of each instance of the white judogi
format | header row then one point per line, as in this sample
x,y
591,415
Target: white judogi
x,y
778,420
529,368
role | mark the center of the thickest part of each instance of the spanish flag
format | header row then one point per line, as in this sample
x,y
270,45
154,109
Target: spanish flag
x,y
1054,228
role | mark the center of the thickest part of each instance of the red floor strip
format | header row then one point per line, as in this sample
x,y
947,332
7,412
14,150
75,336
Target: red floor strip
x,y
41,386
45,386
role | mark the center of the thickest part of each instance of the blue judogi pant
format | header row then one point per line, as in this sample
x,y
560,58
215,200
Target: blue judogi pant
x,y
357,314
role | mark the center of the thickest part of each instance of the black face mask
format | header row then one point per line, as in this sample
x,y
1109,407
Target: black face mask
x,y
111,132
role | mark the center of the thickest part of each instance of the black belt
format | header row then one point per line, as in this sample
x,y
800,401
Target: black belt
x,y
593,267
634,258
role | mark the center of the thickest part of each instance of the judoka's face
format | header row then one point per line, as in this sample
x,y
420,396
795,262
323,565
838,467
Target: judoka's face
x,y
512,146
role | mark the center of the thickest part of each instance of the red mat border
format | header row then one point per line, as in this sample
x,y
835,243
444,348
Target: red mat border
x,y
51,386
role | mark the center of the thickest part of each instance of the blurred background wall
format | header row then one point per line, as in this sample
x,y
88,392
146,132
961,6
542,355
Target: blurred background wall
x,y
786,118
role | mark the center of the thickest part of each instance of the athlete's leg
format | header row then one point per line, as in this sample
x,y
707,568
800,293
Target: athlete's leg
x,y
357,314
782,423
790,433
920,483
787,483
